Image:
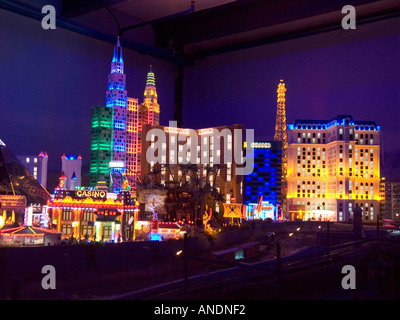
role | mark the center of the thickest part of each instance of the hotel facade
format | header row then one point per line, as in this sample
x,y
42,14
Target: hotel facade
x,y
263,185
212,149
333,166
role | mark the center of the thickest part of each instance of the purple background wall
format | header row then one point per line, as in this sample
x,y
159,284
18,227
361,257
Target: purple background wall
x,y
49,80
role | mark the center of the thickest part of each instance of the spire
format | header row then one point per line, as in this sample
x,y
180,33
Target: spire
x,y
62,177
150,92
150,81
150,97
281,91
117,56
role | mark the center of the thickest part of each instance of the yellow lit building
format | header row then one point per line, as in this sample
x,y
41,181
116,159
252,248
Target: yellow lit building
x,y
147,112
333,166
95,213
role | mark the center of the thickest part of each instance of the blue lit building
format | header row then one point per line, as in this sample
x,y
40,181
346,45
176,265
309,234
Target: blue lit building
x,y
116,98
262,188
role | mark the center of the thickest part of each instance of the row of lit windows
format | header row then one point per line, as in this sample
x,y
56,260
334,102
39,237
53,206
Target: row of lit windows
x,y
360,141
327,126
28,160
319,194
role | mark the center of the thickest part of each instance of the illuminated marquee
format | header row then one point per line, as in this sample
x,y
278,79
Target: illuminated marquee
x,y
176,130
232,210
261,210
205,131
116,164
95,194
10,202
261,145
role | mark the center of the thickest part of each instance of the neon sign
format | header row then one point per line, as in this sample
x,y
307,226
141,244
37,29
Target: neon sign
x,y
264,145
91,193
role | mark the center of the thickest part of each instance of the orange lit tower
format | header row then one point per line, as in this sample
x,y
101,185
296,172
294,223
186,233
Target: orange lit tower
x,y
147,112
150,106
280,125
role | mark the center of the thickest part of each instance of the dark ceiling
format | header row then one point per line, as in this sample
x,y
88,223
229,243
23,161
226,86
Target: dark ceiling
x,y
183,30
248,23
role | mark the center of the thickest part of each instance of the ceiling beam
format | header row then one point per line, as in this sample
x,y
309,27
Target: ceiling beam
x,y
75,8
249,23
62,22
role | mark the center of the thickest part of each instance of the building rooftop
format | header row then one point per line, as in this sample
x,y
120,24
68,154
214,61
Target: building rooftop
x,y
339,120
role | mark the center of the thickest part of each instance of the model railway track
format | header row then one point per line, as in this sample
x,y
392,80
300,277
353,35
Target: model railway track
x,y
264,272
230,279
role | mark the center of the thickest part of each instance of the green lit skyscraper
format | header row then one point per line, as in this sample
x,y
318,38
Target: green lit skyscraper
x,y
101,145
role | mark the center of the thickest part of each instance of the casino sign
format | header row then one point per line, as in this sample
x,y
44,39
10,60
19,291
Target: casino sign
x,y
85,193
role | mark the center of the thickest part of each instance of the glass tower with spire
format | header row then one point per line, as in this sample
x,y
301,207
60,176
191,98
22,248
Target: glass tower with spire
x,y
116,98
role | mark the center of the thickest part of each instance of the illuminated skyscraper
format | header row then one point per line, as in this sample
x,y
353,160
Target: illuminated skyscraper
x,y
150,107
133,147
101,145
116,98
264,183
280,125
333,166
146,113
